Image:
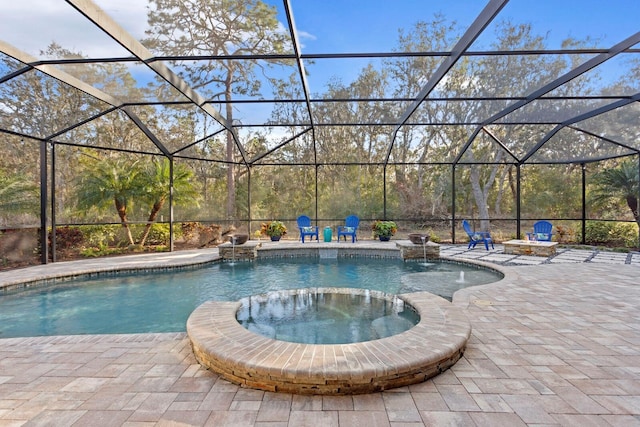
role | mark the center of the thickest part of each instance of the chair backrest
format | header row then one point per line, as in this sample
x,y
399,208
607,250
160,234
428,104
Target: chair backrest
x,y
467,227
352,221
304,221
542,227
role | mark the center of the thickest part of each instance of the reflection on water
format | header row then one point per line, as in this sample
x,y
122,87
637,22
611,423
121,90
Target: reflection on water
x,y
317,317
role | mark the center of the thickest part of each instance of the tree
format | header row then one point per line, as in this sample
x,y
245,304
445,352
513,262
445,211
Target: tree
x,y
108,181
621,182
218,28
18,195
157,185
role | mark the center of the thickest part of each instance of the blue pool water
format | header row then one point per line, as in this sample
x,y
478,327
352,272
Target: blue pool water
x,y
162,302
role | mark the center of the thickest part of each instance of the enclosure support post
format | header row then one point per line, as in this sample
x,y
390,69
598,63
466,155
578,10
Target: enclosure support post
x,y
171,236
316,193
453,203
384,192
518,201
44,246
53,203
584,202
638,200
249,200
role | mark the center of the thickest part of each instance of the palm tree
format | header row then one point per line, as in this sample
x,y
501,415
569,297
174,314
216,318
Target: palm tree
x,y
157,186
110,181
17,195
620,182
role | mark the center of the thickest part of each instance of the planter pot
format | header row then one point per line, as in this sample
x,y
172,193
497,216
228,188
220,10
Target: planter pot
x,y
384,238
275,238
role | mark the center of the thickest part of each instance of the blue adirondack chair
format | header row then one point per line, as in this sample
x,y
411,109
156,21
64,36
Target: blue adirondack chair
x,y
350,228
477,236
542,231
306,229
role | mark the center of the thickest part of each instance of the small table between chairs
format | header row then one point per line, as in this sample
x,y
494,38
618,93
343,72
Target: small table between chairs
x,y
529,247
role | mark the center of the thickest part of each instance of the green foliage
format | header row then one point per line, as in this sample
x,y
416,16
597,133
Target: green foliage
x,y
612,233
18,195
384,228
158,234
100,236
68,237
551,191
434,237
620,183
93,252
121,182
273,228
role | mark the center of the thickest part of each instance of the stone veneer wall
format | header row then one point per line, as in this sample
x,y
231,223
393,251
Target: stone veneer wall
x,y
437,342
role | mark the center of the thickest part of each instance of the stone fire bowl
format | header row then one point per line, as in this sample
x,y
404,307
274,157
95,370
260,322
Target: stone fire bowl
x,y
416,238
240,238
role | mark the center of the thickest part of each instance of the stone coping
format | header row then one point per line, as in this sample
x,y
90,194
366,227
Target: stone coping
x,y
529,243
46,274
395,249
221,344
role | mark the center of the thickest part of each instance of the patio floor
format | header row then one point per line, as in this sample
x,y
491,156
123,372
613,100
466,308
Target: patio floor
x,y
557,343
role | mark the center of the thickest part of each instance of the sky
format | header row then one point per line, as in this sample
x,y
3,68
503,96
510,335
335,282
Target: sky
x,y
330,26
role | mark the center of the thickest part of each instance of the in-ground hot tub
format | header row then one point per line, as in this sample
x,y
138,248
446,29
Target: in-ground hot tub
x,y
317,316
434,344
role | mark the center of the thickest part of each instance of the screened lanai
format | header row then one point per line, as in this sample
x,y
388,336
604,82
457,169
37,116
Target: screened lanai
x,y
168,116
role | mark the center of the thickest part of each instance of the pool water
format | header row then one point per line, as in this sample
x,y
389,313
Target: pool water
x,y
162,302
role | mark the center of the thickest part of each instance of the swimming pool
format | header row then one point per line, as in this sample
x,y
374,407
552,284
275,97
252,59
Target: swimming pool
x,y
162,302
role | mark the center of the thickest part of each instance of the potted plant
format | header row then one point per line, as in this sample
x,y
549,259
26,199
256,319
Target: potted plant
x,y
384,230
274,229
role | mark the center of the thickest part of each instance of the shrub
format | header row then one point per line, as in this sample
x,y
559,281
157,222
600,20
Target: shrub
x,y
68,237
100,236
159,234
612,233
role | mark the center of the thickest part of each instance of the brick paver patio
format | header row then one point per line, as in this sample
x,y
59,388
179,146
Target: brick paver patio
x,y
556,343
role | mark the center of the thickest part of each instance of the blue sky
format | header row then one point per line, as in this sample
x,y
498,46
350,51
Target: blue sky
x,y
347,26
330,25
371,25
327,26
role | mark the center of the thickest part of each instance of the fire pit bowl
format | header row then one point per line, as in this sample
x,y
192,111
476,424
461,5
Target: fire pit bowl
x,y
416,238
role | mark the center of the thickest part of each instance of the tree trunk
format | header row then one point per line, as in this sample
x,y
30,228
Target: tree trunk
x,y
480,199
632,202
231,179
122,213
152,218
